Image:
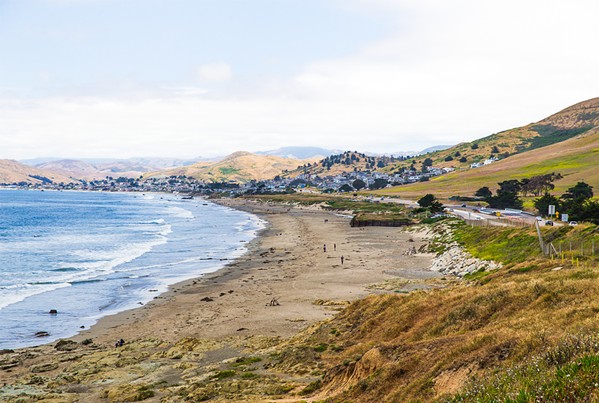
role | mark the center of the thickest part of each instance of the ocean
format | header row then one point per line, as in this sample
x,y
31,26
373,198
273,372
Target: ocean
x,y
91,254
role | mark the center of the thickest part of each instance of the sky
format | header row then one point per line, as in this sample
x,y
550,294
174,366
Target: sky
x,y
189,78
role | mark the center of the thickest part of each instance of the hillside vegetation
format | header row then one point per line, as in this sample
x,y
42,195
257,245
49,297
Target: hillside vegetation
x,y
14,172
579,119
241,167
347,161
575,158
524,332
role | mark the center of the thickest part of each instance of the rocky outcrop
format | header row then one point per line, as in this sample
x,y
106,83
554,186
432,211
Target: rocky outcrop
x,y
458,262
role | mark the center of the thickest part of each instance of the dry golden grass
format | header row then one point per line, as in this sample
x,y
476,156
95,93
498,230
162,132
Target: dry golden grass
x,y
427,345
12,171
240,167
576,159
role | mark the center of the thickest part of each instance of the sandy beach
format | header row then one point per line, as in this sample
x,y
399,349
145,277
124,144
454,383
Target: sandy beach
x,y
283,284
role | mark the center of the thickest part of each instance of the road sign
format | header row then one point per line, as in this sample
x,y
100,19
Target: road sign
x,y
551,209
565,217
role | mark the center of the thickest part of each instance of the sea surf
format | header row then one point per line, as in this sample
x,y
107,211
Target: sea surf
x,y
87,255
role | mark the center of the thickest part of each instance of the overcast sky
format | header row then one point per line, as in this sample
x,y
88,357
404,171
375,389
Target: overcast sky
x,y
186,78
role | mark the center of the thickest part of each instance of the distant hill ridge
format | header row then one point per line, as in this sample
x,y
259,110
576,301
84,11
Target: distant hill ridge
x,y
241,166
566,142
579,119
12,172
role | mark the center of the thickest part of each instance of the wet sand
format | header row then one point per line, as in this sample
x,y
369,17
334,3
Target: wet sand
x,y
282,285
287,262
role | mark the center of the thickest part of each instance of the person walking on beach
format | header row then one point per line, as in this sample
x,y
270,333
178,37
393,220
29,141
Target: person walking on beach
x,y
342,258
325,248
334,246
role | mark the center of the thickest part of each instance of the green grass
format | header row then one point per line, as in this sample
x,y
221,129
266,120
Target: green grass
x,y
228,170
568,372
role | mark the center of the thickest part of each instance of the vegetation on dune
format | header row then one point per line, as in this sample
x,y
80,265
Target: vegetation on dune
x,y
525,332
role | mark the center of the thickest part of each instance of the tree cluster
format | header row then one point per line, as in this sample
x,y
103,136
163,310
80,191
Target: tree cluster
x,y
576,202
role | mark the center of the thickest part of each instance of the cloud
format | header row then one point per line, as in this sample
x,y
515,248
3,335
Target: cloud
x,y
215,72
449,72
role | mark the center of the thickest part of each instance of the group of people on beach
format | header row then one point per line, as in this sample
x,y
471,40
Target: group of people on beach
x,y
119,343
324,248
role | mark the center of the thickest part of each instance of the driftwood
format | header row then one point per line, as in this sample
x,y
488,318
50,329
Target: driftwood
x,y
273,302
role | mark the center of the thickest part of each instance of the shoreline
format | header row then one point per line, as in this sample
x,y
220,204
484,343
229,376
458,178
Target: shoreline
x,y
259,271
228,313
158,294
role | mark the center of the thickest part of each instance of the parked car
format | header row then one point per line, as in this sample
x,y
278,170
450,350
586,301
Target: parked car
x,y
549,222
573,223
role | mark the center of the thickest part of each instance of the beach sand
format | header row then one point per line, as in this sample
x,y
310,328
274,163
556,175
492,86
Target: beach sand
x,y
286,264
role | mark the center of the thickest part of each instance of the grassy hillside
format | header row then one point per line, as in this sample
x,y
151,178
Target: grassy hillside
x,y
576,159
240,166
347,161
13,172
579,119
525,330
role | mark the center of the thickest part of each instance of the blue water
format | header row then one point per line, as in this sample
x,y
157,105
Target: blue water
x,y
89,255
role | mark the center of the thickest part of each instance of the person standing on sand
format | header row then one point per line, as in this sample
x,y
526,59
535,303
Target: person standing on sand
x,y
334,246
325,248
342,258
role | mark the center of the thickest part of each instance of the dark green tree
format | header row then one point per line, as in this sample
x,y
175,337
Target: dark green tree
x,y
379,184
484,192
574,200
506,195
346,188
430,201
358,184
542,203
474,146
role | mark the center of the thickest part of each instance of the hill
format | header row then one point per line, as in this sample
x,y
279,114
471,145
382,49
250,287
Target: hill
x,y
579,119
14,172
101,168
240,167
347,161
568,145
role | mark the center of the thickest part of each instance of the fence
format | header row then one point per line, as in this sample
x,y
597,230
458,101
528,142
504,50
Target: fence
x,y
573,251
497,222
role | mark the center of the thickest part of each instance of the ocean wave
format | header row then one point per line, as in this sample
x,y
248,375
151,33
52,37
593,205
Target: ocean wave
x,y
16,293
180,212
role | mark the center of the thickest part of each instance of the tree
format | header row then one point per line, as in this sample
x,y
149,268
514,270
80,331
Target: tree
x,y
579,192
463,159
474,146
484,192
542,203
346,188
539,184
430,201
495,150
449,158
507,195
589,212
458,154
573,201
379,184
426,163
358,184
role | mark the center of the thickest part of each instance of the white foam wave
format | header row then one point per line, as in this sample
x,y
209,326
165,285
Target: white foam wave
x,y
16,293
180,212
102,263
